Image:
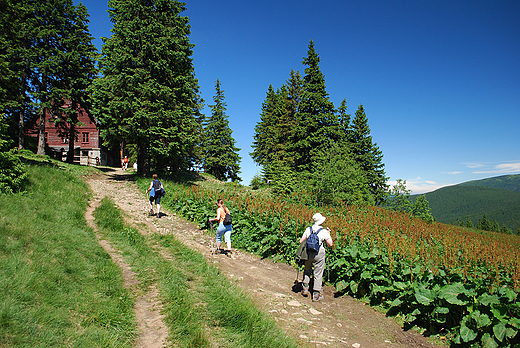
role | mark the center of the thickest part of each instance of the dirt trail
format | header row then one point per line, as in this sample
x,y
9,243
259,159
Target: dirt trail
x,y
334,322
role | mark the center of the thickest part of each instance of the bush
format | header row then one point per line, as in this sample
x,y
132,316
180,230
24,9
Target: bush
x,y
13,174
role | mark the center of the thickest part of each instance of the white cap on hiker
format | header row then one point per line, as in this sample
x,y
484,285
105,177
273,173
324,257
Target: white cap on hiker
x,y
318,219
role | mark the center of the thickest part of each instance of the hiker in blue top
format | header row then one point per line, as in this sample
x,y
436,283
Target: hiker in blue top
x,y
155,195
316,257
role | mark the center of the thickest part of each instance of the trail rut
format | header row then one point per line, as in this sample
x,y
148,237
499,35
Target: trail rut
x,y
334,322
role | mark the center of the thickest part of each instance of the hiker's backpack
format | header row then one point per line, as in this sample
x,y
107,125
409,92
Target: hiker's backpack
x,y
227,219
313,241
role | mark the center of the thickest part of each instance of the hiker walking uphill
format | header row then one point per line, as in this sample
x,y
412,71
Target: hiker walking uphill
x,y
224,226
156,190
314,236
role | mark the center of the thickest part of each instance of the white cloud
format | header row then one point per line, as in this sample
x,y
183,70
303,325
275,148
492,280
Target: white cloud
x,y
454,173
419,186
503,168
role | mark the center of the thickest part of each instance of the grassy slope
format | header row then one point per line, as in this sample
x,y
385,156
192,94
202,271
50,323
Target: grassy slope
x,y
496,197
59,287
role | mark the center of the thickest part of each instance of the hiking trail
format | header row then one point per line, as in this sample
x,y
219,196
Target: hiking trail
x,y
333,322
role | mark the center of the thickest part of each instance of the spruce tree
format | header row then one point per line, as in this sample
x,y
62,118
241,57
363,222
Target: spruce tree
x,y
316,122
77,56
263,139
17,30
221,154
368,155
148,95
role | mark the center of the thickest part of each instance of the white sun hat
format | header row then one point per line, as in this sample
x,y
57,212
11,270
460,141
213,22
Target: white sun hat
x,y
318,219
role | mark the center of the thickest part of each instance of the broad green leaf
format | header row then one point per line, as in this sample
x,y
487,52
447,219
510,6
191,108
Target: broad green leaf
x,y
500,312
487,299
400,285
396,303
481,319
500,331
354,287
511,332
488,341
424,296
466,333
341,285
510,294
451,292
366,275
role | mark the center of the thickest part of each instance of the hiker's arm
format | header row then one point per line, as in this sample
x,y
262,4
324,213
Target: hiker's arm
x,y
218,216
149,188
304,237
329,242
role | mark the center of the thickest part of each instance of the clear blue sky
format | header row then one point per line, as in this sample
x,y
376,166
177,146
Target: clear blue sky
x,y
439,80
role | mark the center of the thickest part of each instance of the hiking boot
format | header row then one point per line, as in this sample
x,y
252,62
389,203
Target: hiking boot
x,y
317,296
305,291
151,212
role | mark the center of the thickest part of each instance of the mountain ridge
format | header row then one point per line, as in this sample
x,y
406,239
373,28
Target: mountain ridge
x,y
498,198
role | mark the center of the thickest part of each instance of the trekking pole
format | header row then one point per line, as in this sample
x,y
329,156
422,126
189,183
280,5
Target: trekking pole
x,y
297,269
211,227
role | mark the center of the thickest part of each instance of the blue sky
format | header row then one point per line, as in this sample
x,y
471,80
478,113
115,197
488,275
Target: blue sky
x,y
439,80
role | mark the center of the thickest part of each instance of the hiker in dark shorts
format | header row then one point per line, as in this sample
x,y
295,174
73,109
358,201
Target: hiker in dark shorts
x,y
316,258
156,185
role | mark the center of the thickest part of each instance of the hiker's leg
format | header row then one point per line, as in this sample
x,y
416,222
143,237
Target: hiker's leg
x,y
227,237
307,273
319,266
151,203
220,232
158,204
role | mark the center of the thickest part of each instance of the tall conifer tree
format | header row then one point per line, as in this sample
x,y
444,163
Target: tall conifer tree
x,y
77,56
368,155
148,95
221,155
316,121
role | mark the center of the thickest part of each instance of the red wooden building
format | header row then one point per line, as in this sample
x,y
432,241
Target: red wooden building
x,y
88,148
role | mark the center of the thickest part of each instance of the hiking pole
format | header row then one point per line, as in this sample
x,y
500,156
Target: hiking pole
x,y
211,227
297,269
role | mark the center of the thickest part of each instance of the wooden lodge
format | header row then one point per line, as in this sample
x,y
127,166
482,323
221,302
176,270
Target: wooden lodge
x,y
88,148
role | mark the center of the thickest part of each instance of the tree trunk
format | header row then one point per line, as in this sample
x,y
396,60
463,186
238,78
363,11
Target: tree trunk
x,y
41,133
70,153
21,130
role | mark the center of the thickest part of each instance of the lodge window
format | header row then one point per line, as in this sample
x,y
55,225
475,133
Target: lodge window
x,y
64,140
85,137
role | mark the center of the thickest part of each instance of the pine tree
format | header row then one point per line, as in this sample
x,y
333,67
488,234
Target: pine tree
x,y
17,28
316,123
221,155
368,155
469,223
148,95
263,139
77,56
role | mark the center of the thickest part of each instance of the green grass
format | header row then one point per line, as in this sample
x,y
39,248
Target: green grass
x,y
202,308
59,287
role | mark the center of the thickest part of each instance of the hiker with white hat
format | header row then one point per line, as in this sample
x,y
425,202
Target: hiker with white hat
x,y
315,235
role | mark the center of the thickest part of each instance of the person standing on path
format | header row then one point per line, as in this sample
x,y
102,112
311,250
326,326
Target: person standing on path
x,y
315,257
223,230
155,190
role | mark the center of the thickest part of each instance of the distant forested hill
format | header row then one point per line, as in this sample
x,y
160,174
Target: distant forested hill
x,y
505,182
498,198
